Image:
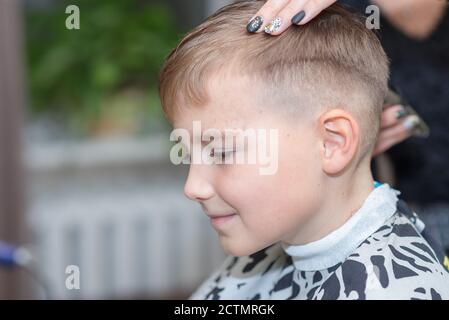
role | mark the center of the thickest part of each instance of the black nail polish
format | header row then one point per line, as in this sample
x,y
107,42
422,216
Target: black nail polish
x,y
254,24
298,17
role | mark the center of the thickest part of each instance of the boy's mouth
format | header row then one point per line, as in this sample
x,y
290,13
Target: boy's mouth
x,y
220,220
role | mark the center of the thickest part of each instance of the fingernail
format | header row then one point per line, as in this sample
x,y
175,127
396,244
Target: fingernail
x,y
273,26
401,113
254,24
298,17
411,122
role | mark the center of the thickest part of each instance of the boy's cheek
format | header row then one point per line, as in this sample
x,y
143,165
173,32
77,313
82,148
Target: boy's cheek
x,y
248,188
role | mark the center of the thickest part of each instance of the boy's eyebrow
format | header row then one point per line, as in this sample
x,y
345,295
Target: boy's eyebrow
x,y
223,133
231,132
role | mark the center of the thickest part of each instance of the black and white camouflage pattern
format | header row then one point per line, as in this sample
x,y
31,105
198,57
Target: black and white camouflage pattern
x,y
395,262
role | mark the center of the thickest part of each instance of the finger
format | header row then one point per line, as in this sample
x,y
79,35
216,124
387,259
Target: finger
x,y
395,134
266,14
313,7
286,15
391,115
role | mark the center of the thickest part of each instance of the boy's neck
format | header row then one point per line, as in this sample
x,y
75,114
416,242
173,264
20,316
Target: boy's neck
x,y
344,197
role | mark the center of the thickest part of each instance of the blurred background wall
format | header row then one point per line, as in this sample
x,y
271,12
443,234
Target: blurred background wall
x,y
85,174
12,206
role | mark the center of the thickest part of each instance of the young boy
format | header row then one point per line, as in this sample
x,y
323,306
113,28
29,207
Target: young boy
x,y
315,228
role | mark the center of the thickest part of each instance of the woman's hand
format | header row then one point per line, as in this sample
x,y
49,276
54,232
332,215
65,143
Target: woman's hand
x,y
415,18
395,126
277,15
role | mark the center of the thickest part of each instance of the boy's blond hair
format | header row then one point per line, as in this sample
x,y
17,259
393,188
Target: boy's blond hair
x,y
332,61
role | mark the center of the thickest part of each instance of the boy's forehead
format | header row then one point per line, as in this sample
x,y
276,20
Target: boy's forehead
x,y
230,101
202,118
229,90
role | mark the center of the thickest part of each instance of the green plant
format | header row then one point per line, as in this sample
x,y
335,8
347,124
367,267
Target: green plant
x,y
121,45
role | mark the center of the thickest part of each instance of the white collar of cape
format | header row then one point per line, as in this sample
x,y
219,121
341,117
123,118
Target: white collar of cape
x,y
334,248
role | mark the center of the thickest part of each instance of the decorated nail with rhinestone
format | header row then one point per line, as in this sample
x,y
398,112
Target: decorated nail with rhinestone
x,y
411,122
273,26
254,24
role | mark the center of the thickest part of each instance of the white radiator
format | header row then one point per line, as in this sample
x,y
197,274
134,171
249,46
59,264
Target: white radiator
x,y
132,244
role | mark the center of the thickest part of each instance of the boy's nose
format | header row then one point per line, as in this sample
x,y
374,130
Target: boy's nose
x,y
197,186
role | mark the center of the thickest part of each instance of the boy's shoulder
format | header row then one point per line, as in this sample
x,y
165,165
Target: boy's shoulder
x,y
397,261
245,277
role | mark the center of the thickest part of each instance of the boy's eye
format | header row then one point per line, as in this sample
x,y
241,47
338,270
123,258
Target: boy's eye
x,y
221,154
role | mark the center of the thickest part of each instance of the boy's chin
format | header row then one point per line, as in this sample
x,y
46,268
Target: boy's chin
x,y
238,249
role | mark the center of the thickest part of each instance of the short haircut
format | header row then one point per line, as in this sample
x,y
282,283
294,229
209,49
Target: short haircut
x,y
332,61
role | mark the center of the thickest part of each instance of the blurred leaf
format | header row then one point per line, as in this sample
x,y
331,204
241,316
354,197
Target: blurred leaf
x,y
121,45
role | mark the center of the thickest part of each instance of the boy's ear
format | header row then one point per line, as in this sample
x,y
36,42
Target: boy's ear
x,y
340,136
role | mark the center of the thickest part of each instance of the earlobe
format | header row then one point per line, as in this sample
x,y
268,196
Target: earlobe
x,y
340,138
